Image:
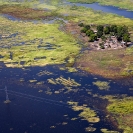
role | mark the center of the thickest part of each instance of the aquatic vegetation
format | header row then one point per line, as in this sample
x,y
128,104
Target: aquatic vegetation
x,y
44,73
32,34
32,80
108,131
122,106
40,83
66,82
93,119
85,112
90,129
102,85
53,127
122,110
64,123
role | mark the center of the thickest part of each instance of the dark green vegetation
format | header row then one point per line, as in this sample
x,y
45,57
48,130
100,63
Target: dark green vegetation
x,y
120,32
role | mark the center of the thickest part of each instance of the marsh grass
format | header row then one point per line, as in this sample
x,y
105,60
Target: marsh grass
x,y
31,34
85,113
102,85
66,82
108,63
122,110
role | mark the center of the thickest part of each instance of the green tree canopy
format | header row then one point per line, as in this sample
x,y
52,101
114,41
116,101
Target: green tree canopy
x,y
93,37
100,28
107,30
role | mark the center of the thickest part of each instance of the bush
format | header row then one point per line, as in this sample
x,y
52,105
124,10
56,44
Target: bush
x,y
89,32
81,24
93,37
99,34
107,30
84,30
100,28
87,27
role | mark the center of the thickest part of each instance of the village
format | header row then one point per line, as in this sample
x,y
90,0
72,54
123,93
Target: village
x,y
100,37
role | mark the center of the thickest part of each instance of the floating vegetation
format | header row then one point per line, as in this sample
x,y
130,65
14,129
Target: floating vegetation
x,y
62,81
48,92
102,85
71,69
85,112
44,73
64,123
90,129
21,80
40,91
56,92
7,101
72,103
89,115
73,119
93,119
32,81
53,127
104,130
40,83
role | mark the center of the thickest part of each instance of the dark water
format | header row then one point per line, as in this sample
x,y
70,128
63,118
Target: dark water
x,y
31,111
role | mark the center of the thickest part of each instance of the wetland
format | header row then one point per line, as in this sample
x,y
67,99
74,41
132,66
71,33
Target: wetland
x,y
55,81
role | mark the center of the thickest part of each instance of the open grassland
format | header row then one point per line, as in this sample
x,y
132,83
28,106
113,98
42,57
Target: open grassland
x,y
35,44
125,4
108,63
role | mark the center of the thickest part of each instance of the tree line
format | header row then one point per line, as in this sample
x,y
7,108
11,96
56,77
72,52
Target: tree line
x,y
120,32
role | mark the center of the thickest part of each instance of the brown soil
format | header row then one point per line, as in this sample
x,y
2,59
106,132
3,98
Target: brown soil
x,y
24,13
73,29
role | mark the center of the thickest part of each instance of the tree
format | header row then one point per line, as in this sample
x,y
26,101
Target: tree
x,y
81,24
89,32
100,28
113,28
103,38
87,27
99,34
84,30
126,38
93,37
107,30
101,45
